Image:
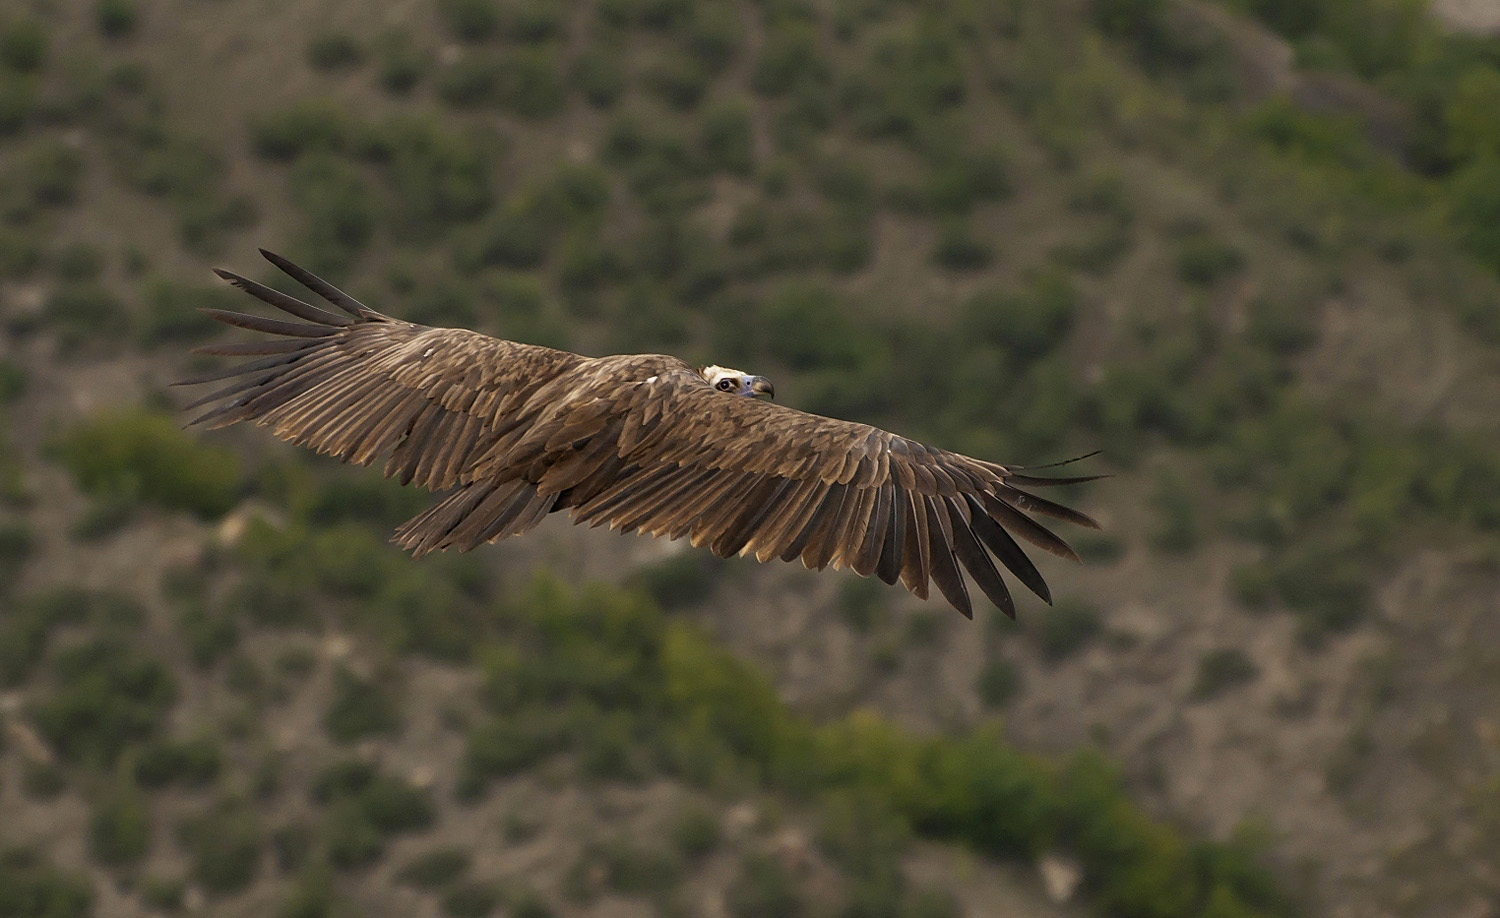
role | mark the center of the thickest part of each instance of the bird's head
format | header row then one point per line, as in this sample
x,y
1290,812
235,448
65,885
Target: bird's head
x,y
737,382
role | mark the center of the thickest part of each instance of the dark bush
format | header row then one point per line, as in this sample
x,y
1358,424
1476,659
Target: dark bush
x,y
695,831
115,18
522,81
999,682
1203,259
678,78
726,137
190,763
1176,531
304,126
86,314
146,453
15,548
338,206
763,889
51,173
224,849
120,829
599,74
399,63
1066,628
679,581
957,183
789,58
1029,323
335,51
470,900
435,869
470,20
169,313
23,45
958,249
32,888
210,633
1220,670
105,698
437,178
359,709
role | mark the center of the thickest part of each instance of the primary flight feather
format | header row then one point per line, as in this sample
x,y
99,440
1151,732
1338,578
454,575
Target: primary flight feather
x,y
643,442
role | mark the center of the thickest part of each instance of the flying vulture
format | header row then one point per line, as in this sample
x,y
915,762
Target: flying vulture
x,y
643,442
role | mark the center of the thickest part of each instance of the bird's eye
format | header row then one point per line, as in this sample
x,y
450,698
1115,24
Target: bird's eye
x,y
725,385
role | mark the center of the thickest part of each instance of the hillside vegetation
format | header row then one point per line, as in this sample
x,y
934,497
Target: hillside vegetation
x,y
1248,249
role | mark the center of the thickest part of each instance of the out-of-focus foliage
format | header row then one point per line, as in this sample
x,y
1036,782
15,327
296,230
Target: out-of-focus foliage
x,y
146,455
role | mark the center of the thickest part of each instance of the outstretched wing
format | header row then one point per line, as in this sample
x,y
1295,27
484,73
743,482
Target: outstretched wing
x,y
362,386
638,442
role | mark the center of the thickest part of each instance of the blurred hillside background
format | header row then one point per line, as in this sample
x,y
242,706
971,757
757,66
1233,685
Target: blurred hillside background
x,y
1248,248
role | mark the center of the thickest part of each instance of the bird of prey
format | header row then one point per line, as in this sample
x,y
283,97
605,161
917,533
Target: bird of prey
x,y
643,442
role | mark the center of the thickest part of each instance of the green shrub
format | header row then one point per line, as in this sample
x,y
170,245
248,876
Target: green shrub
x,y
470,899
789,57
105,698
137,451
1204,260
435,869
522,81
1066,628
1177,525
470,20
694,831
678,78
120,829
304,126
190,763
339,207
1029,323
210,634
15,548
399,63
957,183
12,381
170,311
23,45
224,849
359,709
436,178
163,894
115,18
682,580
29,623
1475,201
85,314
1220,670
52,173
79,262
763,889
599,74
20,250
726,137
388,805
32,888
335,51
999,682
862,603
958,249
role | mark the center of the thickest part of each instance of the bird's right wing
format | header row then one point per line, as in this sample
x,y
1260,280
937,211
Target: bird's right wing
x,y
362,385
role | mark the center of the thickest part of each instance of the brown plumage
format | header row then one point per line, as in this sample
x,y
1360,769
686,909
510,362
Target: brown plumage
x,y
641,442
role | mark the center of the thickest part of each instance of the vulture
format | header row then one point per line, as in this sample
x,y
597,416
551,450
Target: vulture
x,y
643,442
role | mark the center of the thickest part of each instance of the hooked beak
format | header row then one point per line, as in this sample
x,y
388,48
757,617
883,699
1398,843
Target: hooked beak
x,y
760,387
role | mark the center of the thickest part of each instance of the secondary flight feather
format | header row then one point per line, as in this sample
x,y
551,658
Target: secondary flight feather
x,y
642,442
